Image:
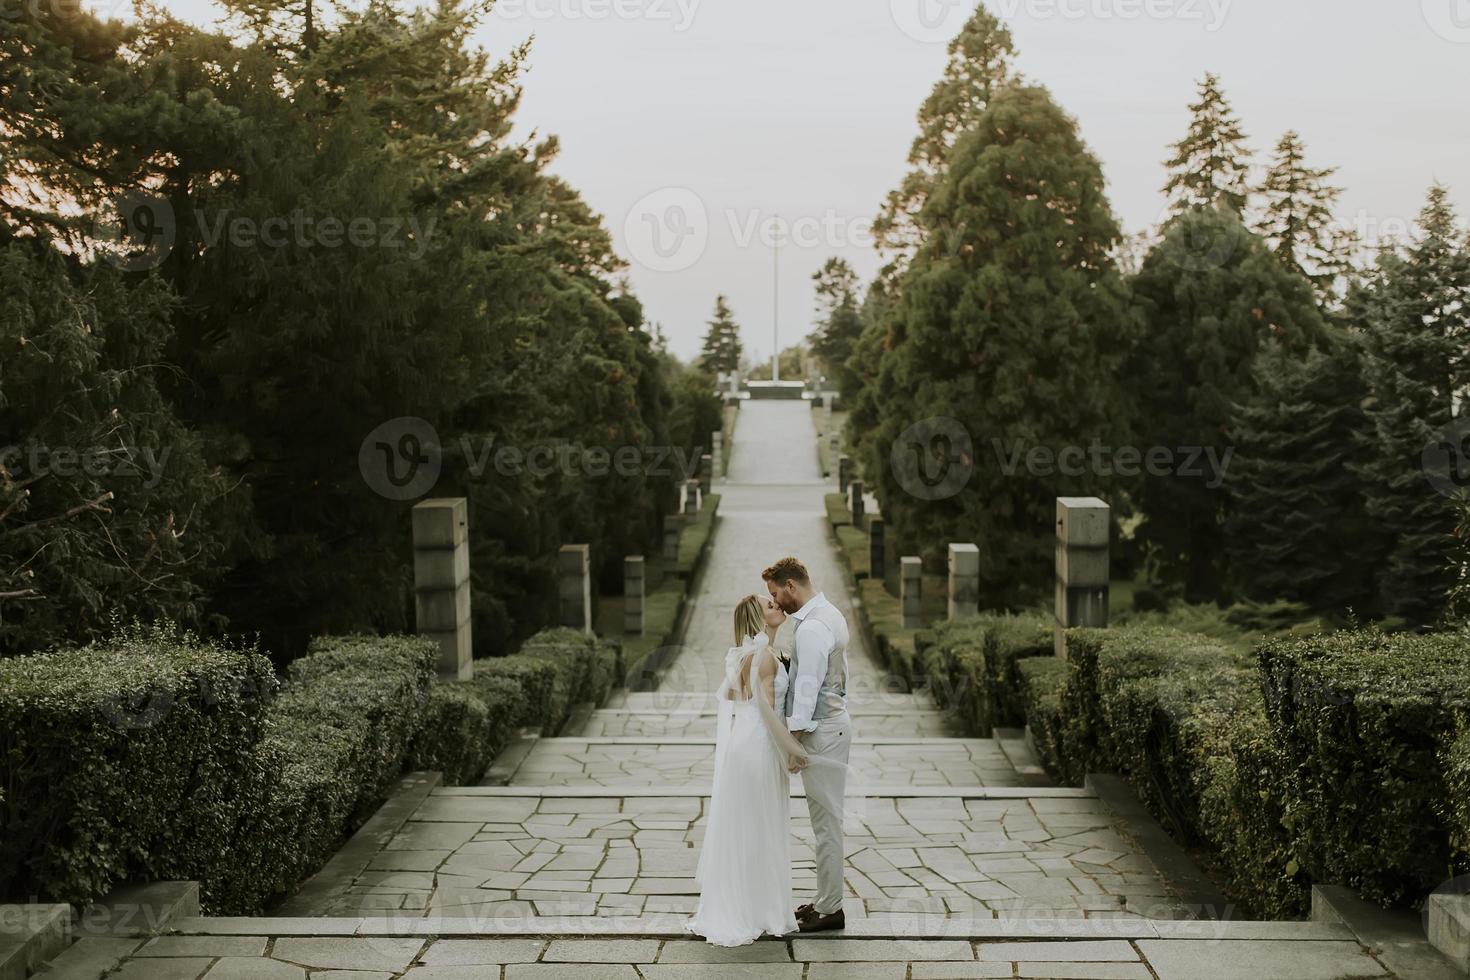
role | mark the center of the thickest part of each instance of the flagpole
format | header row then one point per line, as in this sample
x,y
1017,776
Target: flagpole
x,y
776,301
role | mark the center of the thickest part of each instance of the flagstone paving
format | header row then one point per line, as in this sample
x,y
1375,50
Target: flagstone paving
x,y
961,862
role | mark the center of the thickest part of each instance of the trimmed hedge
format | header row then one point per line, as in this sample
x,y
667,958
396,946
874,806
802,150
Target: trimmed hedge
x,y
464,727
1455,806
837,513
1363,719
336,741
533,677
1042,681
121,760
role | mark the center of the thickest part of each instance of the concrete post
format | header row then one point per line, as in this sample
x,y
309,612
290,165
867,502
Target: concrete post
x,y
876,558
707,467
574,570
1082,566
855,502
910,591
717,454
441,581
692,498
633,593
671,537
964,581
844,472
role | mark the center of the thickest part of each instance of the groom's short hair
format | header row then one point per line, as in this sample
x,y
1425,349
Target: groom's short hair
x,y
787,570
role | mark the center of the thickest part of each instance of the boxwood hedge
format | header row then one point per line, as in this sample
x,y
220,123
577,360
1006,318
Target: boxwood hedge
x,y
1363,718
122,760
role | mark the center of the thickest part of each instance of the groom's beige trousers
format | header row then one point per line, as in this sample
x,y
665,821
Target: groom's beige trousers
x,y
825,787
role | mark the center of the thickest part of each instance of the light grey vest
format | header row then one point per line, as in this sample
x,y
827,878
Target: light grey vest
x,y
832,696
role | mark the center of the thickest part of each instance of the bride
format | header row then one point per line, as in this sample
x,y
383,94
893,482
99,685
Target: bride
x,y
744,868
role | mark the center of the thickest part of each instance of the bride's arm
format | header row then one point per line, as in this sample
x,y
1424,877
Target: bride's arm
x,y
767,678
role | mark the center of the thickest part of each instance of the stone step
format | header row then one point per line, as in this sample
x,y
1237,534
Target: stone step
x,y
860,702
31,935
898,926
630,761
702,791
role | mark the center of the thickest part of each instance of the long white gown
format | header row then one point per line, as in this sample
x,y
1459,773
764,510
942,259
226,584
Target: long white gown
x,y
744,869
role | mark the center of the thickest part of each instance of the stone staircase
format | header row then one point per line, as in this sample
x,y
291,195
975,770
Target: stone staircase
x,y
576,856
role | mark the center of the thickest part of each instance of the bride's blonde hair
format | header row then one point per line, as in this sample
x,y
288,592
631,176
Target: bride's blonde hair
x,y
750,619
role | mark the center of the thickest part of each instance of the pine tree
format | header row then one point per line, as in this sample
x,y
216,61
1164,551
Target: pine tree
x,y
1416,312
1297,219
1210,296
839,322
979,63
1210,165
722,347
1011,320
1299,529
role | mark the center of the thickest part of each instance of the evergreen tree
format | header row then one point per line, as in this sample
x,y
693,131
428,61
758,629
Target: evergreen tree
x,y
1210,165
1457,606
1210,296
839,320
1416,314
1299,529
722,347
1297,219
1011,320
979,63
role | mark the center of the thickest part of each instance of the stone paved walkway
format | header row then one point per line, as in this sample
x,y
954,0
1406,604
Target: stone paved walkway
x,y
962,862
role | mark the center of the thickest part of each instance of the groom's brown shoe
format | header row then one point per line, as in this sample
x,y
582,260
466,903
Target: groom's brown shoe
x,y
818,922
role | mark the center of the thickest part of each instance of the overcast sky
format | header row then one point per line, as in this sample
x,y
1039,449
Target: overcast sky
x,y
691,124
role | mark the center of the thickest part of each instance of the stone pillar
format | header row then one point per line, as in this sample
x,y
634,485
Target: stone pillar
x,y
633,593
855,502
833,445
910,591
671,537
844,472
964,581
441,581
1082,566
707,467
876,558
717,454
692,498
574,570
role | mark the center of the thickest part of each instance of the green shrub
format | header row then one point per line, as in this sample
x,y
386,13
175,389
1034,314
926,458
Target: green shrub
x,y
460,734
336,741
573,654
694,536
1042,682
1362,718
837,513
534,677
1008,641
122,760
953,656
1455,804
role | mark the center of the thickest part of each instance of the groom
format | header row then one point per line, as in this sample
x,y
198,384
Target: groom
x,y
816,713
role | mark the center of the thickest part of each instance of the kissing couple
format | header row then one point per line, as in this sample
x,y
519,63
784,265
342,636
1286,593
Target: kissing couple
x,y
779,714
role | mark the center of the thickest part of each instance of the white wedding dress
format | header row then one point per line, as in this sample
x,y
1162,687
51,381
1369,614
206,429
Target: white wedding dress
x,y
744,868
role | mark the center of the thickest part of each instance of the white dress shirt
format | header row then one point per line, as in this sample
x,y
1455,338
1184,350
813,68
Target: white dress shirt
x,y
814,644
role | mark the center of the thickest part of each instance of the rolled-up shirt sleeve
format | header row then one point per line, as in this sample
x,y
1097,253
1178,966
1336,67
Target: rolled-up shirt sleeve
x,y
814,644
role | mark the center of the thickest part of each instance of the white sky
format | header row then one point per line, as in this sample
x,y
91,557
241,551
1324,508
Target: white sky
x,y
704,118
